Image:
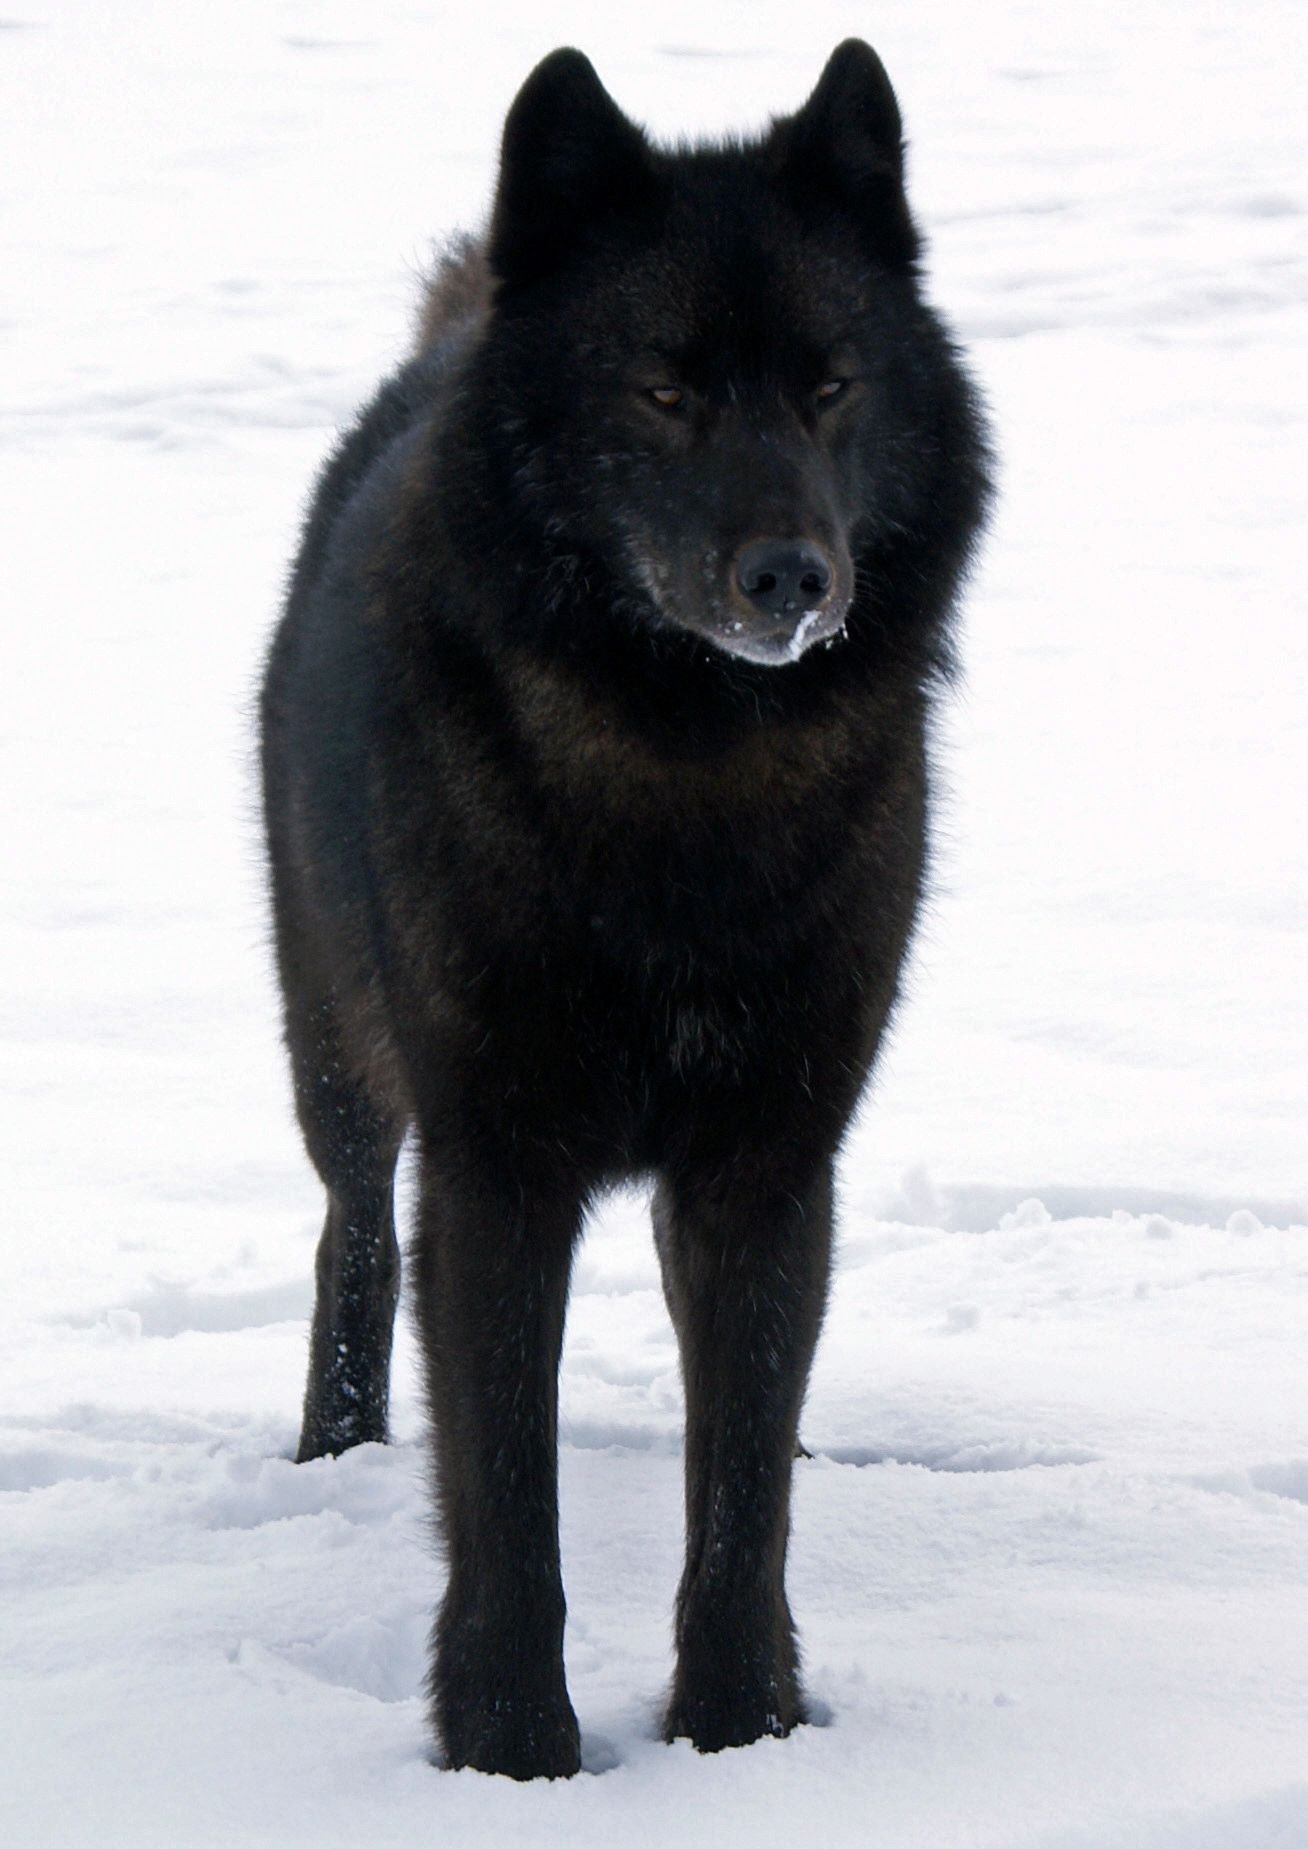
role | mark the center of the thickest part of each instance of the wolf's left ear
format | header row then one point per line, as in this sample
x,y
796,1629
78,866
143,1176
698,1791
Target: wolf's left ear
x,y
847,141
568,155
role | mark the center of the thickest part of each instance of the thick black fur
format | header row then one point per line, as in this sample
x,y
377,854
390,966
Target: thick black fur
x,y
585,863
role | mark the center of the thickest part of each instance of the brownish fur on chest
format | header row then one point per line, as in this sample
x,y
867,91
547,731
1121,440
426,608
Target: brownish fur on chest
x,y
586,749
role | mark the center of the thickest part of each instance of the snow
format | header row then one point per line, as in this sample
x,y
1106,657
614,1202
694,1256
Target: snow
x,y
1050,1556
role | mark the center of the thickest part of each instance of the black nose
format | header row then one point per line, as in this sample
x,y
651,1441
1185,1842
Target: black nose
x,y
780,575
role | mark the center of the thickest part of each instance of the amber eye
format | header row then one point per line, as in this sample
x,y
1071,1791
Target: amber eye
x,y
829,389
669,396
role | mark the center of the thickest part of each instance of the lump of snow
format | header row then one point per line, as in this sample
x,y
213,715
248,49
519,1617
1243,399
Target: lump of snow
x,y
1030,1212
1242,1221
921,1204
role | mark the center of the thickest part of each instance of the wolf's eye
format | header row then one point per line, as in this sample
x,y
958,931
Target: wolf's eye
x,y
670,397
829,389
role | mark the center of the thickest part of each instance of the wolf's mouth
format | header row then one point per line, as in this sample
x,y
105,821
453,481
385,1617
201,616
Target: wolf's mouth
x,y
777,643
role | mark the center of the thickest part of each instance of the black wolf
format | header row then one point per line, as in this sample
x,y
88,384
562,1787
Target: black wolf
x,y
593,744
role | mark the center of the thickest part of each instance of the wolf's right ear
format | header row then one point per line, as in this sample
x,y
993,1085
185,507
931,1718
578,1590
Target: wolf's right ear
x,y
568,155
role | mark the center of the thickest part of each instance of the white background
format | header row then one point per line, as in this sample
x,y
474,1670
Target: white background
x,y
1051,1563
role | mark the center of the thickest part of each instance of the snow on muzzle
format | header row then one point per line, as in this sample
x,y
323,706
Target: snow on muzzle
x,y
787,595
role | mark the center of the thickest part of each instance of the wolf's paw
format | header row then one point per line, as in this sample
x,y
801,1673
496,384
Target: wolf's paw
x,y
715,1720
517,1739
339,1415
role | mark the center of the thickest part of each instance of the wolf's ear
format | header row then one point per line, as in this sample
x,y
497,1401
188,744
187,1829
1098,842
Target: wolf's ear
x,y
568,155
847,141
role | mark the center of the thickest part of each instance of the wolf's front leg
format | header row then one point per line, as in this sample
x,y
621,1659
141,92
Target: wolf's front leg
x,y
492,1259
745,1267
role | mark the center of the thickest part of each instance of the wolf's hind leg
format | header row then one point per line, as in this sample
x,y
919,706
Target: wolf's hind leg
x,y
353,1136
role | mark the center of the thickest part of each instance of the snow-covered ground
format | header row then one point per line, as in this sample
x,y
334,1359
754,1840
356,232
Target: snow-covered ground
x,y
1050,1559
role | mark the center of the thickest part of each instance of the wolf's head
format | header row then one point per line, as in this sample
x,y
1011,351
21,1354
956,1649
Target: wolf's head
x,y
710,366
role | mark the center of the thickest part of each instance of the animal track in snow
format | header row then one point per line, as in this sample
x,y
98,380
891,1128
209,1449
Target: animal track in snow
x,y
368,1485
174,1309
1287,1479
46,1466
383,1657
998,1454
